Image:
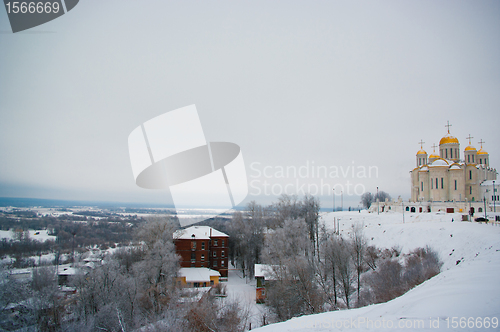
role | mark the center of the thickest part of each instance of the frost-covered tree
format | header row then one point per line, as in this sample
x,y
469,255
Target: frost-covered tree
x,y
310,213
358,246
289,253
346,270
367,199
382,196
246,233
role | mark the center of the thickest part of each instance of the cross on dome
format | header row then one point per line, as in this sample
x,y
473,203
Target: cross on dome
x,y
481,142
421,144
448,125
434,146
469,138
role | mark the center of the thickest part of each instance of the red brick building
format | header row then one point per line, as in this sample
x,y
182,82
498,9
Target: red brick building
x,y
202,246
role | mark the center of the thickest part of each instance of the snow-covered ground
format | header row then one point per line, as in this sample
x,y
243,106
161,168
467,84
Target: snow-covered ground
x,y
463,297
41,235
243,290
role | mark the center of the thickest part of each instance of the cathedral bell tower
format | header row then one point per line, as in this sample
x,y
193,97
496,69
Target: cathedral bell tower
x,y
470,153
483,156
449,147
421,155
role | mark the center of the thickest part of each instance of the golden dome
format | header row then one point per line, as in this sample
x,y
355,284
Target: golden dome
x,y
470,148
421,152
482,152
434,156
448,139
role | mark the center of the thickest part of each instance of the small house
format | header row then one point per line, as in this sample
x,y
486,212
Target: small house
x,y
197,277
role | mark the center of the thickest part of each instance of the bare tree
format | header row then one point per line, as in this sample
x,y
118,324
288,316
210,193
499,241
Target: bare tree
x,y
367,199
310,212
386,283
287,207
346,270
246,232
372,255
382,196
330,250
359,245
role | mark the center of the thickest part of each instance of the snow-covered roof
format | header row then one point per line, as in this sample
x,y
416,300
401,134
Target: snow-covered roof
x,y
199,232
490,183
440,162
264,270
67,271
455,167
93,259
197,274
424,168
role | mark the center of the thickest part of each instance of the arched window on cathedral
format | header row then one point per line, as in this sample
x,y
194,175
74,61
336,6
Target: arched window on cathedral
x,y
470,175
455,184
472,158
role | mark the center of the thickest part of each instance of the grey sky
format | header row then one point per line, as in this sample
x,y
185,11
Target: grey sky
x,y
291,82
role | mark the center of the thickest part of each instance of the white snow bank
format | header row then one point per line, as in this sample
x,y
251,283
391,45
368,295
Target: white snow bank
x,y
469,291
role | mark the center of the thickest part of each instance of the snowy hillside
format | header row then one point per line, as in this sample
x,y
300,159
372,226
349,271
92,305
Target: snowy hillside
x,y
463,297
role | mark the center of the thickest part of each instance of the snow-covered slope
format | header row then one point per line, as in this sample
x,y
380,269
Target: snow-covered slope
x,y
462,297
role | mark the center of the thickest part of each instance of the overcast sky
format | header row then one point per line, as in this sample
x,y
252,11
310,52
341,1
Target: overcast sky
x,y
293,83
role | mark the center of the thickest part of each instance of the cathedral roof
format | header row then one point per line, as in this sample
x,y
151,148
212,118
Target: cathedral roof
x,y
421,151
481,151
448,139
470,148
440,162
434,156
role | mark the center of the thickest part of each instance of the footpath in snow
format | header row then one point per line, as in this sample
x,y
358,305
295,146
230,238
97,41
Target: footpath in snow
x,y
463,297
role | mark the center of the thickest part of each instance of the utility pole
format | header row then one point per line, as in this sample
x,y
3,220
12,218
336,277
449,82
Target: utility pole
x,y
494,198
333,199
378,204
484,200
403,208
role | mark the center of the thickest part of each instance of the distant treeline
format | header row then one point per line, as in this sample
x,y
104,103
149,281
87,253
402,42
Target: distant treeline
x,y
71,231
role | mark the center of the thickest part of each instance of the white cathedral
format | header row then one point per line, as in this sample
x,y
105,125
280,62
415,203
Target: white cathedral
x,y
449,178
447,182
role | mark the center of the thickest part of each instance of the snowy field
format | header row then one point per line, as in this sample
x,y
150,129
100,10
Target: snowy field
x,y
463,297
41,235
